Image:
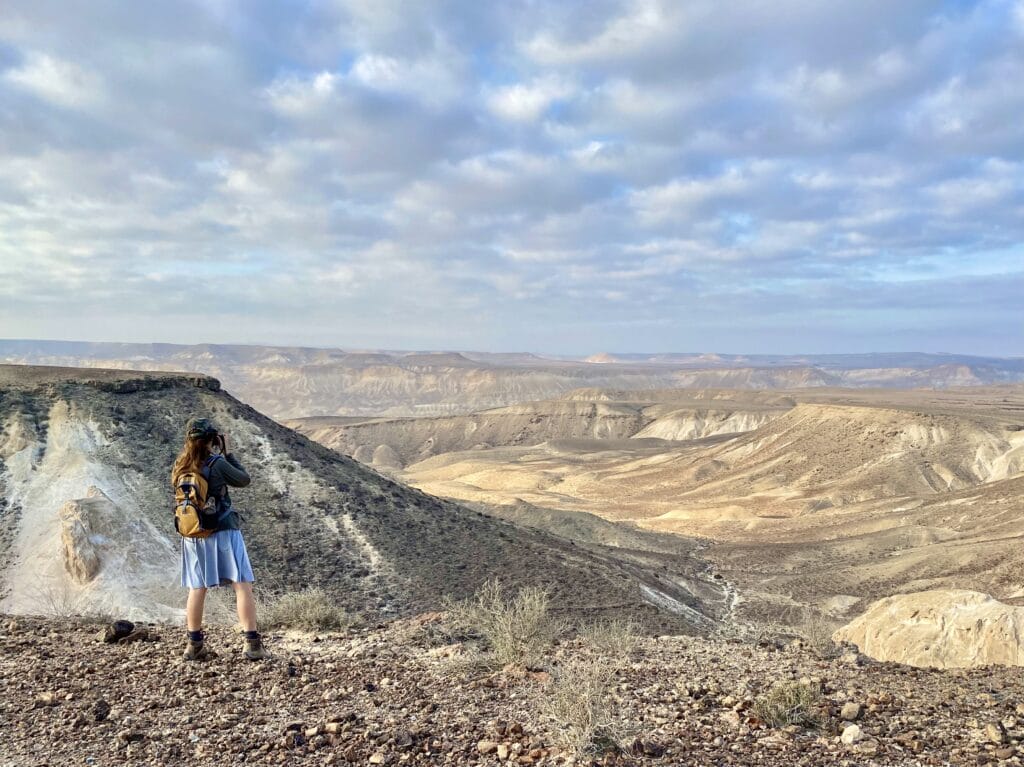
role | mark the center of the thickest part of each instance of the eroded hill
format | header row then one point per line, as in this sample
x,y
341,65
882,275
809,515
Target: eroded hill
x,y
399,442
812,497
84,462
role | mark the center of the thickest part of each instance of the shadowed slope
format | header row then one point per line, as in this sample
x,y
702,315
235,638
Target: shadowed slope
x,y
312,516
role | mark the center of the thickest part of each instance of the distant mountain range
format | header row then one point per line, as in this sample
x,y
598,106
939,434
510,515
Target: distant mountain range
x,y
294,382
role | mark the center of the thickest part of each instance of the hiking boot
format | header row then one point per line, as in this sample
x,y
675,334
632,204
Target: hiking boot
x,y
197,651
254,649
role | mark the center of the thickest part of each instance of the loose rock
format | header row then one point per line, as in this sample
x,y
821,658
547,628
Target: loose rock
x,y
851,734
851,711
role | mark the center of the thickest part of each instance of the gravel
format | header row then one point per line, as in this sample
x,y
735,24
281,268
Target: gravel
x,y
385,695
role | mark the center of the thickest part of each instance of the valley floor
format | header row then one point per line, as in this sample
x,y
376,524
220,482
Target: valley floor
x,y
392,695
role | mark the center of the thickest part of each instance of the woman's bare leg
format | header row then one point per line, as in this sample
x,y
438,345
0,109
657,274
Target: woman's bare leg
x,y
194,609
246,606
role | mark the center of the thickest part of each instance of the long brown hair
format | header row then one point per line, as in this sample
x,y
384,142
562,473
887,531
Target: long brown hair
x,y
190,459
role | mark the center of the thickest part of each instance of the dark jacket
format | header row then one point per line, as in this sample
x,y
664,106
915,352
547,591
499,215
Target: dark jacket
x,y
226,472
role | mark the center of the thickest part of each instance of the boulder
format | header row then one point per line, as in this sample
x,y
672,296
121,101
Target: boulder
x,y
939,629
116,631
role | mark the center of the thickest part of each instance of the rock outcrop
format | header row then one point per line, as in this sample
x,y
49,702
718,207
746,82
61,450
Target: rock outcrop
x,y
940,629
81,521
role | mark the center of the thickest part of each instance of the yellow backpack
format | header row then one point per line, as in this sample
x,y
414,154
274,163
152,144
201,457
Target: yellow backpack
x,y
195,515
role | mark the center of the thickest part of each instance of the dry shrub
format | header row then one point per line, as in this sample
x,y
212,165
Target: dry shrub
x,y
56,600
517,630
812,627
816,630
615,639
66,603
310,610
577,706
428,635
468,662
790,703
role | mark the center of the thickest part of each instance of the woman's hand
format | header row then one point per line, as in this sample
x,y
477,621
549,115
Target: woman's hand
x,y
223,443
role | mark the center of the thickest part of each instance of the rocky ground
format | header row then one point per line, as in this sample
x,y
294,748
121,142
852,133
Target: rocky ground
x,y
396,694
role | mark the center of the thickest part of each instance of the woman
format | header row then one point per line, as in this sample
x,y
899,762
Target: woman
x,y
220,558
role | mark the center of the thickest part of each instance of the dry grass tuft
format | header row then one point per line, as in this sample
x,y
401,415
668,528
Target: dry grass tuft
x,y
758,632
310,610
614,639
517,630
58,600
790,703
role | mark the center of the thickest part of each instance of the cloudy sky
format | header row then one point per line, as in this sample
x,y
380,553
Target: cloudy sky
x,y
555,176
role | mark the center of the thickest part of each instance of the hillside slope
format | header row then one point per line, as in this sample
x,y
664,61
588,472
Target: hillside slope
x,y
824,497
104,441
819,455
782,463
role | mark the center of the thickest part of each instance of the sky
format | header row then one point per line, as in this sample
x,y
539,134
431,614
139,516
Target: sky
x,y
777,176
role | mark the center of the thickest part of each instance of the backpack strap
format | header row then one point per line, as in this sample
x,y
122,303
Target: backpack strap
x,y
208,464
206,468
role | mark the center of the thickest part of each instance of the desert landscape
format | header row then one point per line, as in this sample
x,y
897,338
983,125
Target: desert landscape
x,y
819,497
862,541
84,485
633,383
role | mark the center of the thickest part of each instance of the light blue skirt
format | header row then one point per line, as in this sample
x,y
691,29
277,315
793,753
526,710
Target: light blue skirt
x,y
218,559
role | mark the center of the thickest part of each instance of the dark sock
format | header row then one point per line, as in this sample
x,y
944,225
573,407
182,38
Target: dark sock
x,y
195,636
252,635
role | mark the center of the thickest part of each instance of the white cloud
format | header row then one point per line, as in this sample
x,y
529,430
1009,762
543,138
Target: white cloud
x,y
59,82
603,165
684,198
528,101
643,25
302,96
433,80
633,101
